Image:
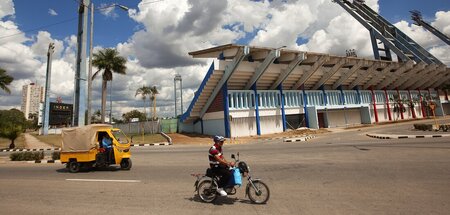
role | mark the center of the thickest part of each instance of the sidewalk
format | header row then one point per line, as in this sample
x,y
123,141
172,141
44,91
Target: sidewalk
x,y
32,142
401,130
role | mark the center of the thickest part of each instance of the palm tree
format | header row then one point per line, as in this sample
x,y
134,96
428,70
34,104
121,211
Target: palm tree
x,y
143,91
5,80
109,61
154,92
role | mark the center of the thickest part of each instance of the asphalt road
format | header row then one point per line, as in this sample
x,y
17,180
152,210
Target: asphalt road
x,y
336,173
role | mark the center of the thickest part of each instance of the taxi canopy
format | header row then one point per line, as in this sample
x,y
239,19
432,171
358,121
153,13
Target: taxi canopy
x,y
81,139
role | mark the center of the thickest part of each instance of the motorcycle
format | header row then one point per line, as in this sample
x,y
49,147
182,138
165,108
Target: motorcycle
x,y
206,185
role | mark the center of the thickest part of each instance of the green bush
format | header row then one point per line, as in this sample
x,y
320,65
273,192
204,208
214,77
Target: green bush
x,y
26,156
55,155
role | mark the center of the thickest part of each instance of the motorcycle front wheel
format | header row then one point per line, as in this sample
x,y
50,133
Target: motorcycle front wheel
x,y
259,192
207,191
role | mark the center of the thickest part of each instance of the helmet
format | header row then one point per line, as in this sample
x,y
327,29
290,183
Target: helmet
x,y
218,138
243,167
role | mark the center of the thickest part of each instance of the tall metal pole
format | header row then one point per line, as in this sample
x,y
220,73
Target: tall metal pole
x,y
178,78
51,50
80,74
91,39
175,94
181,94
110,102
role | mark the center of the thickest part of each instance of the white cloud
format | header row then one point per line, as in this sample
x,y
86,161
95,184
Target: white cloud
x,y
10,32
40,47
6,8
108,10
418,34
283,28
52,12
442,22
442,53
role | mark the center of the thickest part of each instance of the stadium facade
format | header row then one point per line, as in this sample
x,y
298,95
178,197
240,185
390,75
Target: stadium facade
x,y
251,90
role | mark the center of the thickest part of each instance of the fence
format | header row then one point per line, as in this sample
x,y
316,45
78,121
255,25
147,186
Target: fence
x,y
150,127
169,125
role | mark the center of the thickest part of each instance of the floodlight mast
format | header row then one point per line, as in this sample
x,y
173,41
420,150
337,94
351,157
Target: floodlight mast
x,y
416,16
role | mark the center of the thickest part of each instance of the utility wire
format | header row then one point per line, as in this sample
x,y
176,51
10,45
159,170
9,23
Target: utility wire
x,y
39,28
68,20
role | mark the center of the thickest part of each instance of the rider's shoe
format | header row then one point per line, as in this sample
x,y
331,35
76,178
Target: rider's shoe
x,y
221,192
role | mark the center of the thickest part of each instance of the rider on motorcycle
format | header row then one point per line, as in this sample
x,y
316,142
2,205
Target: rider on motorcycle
x,y
219,165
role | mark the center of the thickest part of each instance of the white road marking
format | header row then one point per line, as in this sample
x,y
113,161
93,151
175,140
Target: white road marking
x,y
105,180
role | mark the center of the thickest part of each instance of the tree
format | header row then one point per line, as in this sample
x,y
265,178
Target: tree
x,y
144,91
117,120
96,117
134,114
154,92
5,80
12,124
108,61
32,123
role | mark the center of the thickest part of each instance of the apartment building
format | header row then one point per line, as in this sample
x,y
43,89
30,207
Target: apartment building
x,y
32,96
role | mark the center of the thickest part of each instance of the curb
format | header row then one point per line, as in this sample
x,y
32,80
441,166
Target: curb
x,y
150,144
29,150
169,140
301,139
57,149
297,138
45,161
390,136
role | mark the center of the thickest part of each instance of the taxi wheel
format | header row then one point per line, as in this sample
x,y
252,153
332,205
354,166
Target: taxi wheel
x,y
74,166
126,164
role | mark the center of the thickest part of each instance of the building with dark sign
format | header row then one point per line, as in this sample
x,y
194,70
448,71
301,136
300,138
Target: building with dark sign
x,y
60,114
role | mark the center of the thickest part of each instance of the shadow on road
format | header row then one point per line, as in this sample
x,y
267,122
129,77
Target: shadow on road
x,y
221,200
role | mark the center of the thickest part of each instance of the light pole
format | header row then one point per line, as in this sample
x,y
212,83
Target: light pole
x,y
51,50
89,104
79,104
175,80
89,98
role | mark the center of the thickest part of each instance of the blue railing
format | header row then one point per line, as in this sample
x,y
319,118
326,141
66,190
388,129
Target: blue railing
x,y
197,93
241,99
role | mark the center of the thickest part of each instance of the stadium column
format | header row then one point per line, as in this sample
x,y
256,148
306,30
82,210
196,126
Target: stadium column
x,y
446,95
283,114
226,110
305,105
374,102
413,111
358,94
421,104
342,95
201,123
343,103
400,109
325,102
387,104
258,125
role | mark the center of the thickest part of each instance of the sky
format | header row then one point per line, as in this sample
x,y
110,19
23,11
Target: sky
x,y
155,37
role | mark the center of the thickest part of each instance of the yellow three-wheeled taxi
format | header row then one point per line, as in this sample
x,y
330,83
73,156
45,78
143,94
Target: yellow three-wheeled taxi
x,y
84,147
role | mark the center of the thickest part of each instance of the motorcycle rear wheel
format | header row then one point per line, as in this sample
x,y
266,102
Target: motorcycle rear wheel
x,y
260,195
207,191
